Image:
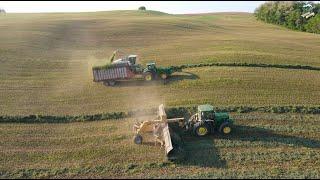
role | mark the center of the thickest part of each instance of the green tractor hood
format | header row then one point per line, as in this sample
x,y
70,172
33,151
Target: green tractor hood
x,y
222,117
165,70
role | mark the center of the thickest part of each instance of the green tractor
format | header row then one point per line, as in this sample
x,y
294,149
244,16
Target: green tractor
x,y
152,72
207,121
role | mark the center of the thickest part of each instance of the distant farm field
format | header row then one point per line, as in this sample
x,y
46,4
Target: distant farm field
x,y
45,72
46,61
262,145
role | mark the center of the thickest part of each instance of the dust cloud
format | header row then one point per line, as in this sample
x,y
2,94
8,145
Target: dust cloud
x,y
145,97
73,81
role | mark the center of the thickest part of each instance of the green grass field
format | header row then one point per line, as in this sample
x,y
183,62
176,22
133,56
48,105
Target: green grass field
x,y
45,68
46,61
262,145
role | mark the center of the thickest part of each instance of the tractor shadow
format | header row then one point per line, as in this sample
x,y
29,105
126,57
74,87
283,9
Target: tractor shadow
x,y
172,79
252,134
202,151
179,77
198,151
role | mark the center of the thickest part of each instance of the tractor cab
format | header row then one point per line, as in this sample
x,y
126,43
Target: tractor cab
x,y
151,66
206,112
132,59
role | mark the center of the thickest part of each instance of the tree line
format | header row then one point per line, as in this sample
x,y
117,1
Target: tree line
x,y
297,15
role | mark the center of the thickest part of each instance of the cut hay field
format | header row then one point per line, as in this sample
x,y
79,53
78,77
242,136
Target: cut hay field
x,y
45,69
262,145
46,61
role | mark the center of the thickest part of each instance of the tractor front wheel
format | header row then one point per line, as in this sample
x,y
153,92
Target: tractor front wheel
x,y
137,139
201,129
225,128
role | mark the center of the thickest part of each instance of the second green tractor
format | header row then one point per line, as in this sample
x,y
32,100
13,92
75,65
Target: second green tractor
x,y
152,72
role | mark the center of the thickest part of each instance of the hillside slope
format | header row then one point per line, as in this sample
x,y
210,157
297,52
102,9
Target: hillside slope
x,y
46,61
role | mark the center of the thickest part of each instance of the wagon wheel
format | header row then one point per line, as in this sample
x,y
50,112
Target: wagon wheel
x,y
112,83
105,83
137,139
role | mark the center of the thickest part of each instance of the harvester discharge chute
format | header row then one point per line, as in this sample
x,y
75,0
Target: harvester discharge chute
x,y
162,133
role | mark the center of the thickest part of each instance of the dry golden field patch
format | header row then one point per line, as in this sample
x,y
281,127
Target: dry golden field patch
x,y
46,61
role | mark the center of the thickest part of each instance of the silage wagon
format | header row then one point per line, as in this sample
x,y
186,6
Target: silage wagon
x,y
126,69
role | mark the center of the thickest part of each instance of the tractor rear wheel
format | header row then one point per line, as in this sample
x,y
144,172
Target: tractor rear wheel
x,y
164,76
201,129
225,128
137,139
148,76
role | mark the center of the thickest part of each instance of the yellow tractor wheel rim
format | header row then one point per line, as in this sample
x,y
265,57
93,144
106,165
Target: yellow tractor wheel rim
x,y
148,77
202,131
226,130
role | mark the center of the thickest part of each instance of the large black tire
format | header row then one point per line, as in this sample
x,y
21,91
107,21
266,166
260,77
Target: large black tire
x,y
225,128
163,76
201,129
109,83
105,83
112,83
137,139
148,76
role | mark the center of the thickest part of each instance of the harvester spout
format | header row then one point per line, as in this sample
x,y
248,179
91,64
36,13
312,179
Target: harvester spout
x,y
112,56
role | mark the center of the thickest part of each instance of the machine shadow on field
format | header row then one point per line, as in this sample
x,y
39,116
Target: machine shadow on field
x,y
201,151
198,151
180,77
252,134
172,79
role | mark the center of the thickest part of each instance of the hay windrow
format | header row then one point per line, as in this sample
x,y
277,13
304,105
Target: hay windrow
x,y
172,112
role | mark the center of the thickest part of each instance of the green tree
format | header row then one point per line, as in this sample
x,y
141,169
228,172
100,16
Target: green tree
x,y
288,13
313,25
316,8
142,8
292,18
283,11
